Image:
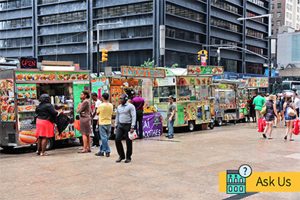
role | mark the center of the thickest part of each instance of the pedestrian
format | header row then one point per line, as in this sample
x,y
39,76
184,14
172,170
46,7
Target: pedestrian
x,y
297,103
252,107
46,115
95,104
105,112
171,117
259,102
138,103
271,112
84,110
290,115
279,110
124,123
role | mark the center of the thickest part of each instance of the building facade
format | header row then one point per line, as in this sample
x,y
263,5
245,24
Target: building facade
x,y
166,31
285,13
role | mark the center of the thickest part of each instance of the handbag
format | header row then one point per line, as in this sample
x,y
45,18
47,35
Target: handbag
x,y
291,112
263,110
296,129
77,124
133,135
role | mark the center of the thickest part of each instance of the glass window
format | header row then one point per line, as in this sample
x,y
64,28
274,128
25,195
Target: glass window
x,y
226,6
184,12
278,5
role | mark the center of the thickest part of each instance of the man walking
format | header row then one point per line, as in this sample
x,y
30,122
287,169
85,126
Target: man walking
x,y
125,122
171,117
95,104
259,102
105,112
138,103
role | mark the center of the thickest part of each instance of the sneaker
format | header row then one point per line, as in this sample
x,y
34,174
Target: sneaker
x,y
99,154
107,154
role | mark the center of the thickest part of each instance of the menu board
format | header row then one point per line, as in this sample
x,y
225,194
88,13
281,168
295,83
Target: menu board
x,y
7,102
26,91
147,72
258,82
204,70
185,81
51,76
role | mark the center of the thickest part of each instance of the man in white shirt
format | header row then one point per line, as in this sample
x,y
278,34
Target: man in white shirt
x,y
95,104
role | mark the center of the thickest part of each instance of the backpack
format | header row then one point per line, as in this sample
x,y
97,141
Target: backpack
x,y
62,121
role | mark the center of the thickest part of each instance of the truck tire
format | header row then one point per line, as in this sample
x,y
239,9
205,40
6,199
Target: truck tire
x,y
211,126
191,126
50,143
220,121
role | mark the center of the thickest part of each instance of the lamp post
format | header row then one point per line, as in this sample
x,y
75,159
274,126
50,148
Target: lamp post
x,y
98,42
269,35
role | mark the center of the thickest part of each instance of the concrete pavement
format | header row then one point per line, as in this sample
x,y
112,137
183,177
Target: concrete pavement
x,y
184,168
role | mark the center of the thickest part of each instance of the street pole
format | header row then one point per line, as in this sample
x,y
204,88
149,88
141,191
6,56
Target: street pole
x,y
98,51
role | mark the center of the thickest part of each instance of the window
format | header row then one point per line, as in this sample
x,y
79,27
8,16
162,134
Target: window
x,y
186,13
16,43
279,14
226,25
131,9
226,6
63,17
254,33
278,23
255,49
257,2
63,38
278,5
222,41
251,14
15,23
7,5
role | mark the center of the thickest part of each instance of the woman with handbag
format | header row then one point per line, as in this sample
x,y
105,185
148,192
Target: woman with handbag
x,y
290,115
46,115
271,112
84,111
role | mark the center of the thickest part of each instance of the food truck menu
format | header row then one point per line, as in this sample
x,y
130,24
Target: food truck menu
x,y
7,102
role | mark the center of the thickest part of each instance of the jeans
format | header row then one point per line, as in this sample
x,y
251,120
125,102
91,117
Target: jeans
x,y
104,134
170,128
121,132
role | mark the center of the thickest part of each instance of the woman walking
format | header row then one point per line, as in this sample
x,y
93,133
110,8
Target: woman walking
x,y
46,115
270,116
279,110
290,115
84,110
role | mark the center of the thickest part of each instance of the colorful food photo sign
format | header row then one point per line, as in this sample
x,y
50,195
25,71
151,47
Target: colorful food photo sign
x,y
51,76
258,82
204,70
129,71
7,100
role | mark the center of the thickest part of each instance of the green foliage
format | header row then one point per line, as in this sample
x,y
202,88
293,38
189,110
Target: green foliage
x,y
149,63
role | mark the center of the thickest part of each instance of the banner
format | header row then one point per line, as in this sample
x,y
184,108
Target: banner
x,y
204,70
152,125
129,71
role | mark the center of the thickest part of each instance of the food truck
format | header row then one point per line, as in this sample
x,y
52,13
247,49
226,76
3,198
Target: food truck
x,y
226,101
191,89
20,91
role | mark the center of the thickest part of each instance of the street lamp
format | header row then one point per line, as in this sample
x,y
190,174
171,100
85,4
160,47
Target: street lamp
x,y
269,35
98,41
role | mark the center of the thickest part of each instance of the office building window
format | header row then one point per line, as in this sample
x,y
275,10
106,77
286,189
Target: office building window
x,y
279,14
184,35
63,38
278,5
226,25
255,49
251,14
138,8
16,43
278,23
226,6
7,5
186,13
253,33
15,23
50,1
214,40
258,2
63,17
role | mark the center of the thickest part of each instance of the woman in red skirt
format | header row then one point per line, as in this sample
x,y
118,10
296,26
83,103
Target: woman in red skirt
x,y
46,115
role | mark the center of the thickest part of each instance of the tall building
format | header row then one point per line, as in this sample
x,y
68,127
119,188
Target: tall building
x,y
166,31
285,13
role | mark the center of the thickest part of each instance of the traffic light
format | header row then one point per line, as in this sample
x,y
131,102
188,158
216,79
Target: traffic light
x,y
104,57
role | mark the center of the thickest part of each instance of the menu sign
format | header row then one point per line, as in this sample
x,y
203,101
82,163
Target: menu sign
x,y
28,63
52,76
258,82
142,72
204,70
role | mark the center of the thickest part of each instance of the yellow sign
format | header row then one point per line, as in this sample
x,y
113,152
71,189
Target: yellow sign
x,y
262,182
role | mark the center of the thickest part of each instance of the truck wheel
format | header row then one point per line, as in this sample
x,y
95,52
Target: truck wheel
x,y
50,143
211,126
191,125
220,121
